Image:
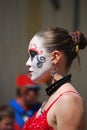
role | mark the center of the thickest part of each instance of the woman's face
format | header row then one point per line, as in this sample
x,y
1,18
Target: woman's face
x,y
39,61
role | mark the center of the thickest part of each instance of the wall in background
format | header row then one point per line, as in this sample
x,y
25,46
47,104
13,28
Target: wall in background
x,y
13,45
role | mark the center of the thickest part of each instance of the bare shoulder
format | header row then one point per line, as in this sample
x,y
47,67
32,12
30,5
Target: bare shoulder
x,y
70,109
70,101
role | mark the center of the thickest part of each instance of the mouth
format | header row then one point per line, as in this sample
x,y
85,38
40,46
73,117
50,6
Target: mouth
x,y
30,72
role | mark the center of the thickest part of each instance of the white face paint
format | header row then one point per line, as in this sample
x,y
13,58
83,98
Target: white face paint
x,y
39,61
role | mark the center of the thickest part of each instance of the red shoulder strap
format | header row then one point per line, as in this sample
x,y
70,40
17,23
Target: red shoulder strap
x,y
60,96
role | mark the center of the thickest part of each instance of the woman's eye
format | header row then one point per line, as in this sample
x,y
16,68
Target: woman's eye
x,y
33,54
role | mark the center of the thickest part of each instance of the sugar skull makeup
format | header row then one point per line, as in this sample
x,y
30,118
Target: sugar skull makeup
x,y
39,61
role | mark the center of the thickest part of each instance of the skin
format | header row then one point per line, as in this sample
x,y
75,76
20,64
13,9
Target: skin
x,y
68,113
35,72
27,98
7,123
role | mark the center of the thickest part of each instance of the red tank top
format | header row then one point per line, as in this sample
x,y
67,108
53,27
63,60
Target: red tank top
x,y
40,122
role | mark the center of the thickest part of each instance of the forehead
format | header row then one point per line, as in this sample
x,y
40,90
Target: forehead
x,y
36,42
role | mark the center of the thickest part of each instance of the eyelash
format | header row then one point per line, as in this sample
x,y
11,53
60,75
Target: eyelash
x,y
32,54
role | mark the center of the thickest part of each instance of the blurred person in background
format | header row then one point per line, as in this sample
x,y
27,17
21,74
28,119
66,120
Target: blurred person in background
x,y
26,103
7,117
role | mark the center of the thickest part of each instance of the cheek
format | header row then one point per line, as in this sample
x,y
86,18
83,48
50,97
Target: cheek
x,y
34,62
43,63
47,65
40,61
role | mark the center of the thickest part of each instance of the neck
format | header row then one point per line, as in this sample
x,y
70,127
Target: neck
x,y
57,84
54,78
61,72
21,102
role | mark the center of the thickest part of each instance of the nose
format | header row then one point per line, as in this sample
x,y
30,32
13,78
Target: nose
x,y
28,63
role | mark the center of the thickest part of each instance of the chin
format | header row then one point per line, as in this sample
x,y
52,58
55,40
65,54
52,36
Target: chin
x,y
41,78
37,80
33,78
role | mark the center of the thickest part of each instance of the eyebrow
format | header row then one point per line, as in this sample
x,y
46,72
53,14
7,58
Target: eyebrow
x,y
35,50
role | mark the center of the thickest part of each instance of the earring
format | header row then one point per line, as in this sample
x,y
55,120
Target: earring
x,y
53,70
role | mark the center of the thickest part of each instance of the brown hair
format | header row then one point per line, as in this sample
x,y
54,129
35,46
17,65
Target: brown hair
x,y
60,39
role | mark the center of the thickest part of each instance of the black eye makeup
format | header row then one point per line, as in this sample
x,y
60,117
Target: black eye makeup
x,y
32,54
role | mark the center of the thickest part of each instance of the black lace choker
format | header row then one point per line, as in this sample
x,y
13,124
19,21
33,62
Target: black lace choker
x,y
51,89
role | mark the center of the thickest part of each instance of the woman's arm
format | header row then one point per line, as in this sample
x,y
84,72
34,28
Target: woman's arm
x,y
70,114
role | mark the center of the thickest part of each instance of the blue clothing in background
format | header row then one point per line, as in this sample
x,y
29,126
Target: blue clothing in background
x,y
21,115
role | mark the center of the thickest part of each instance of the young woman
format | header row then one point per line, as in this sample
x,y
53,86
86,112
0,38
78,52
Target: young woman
x,y
51,53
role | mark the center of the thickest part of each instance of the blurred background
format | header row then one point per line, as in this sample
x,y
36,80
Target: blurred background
x,y
20,20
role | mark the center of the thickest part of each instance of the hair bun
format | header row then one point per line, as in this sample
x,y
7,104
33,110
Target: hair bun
x,y
83,41
79,39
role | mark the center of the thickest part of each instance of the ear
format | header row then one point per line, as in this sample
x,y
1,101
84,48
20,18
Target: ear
x,y
56,55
